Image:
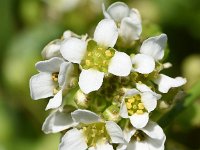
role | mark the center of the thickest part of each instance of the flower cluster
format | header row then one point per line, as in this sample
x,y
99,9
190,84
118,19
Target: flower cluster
x,y
104,89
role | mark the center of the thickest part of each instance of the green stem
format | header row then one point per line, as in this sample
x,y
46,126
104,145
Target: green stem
x,y
192,95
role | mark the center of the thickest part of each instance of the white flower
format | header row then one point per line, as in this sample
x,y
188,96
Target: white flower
x,y
152,50
97,57
128,21
165,83
137,104
151,137
92,133
53,77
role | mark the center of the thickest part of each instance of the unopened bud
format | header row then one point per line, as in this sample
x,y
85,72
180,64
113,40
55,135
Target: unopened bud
x,y
81,99
52,50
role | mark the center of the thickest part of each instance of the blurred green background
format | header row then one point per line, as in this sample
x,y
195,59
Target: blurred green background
x,y
26,26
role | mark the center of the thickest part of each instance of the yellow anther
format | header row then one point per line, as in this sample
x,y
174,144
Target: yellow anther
x,y
145,75
138,138
128,105
89,54
88,62
139,112
84,128
104,62
99,48
130,112
102,131
55,91
108,53
55,77
141,106
131,100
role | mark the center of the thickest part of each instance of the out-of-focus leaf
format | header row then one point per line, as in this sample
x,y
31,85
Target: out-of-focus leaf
x,y
192,95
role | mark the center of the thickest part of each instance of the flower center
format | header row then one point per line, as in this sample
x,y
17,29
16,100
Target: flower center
x,y
135,105
95,133
55,79
97,57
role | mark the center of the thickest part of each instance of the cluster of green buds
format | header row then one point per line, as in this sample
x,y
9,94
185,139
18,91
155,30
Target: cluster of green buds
x,y
104,90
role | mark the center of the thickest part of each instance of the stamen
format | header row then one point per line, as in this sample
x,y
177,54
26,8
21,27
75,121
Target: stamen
x,y
139,112
88,62
55,91
141,106
135,105
108,53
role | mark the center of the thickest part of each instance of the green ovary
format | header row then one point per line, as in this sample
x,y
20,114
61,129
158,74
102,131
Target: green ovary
x,y
97,57
95,133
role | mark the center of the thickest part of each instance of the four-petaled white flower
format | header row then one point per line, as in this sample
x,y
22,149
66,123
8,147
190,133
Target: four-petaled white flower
x,y
151,137
151,51
98,57
92,133
128,21
53,77
137,104
165,83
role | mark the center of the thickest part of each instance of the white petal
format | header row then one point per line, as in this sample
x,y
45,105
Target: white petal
x,y
118,11
85,116
115,132
90,80
153,130
139,120
122,146
66,69
123,110
135,145
128,133
143,63
102,146
120,64
130,30
73,50
155,144
55,102
41,86
149,101
105,13
131,92
52,50
52,65
106,33
134,14
58,121
144,88
73,140
154,46
165,83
